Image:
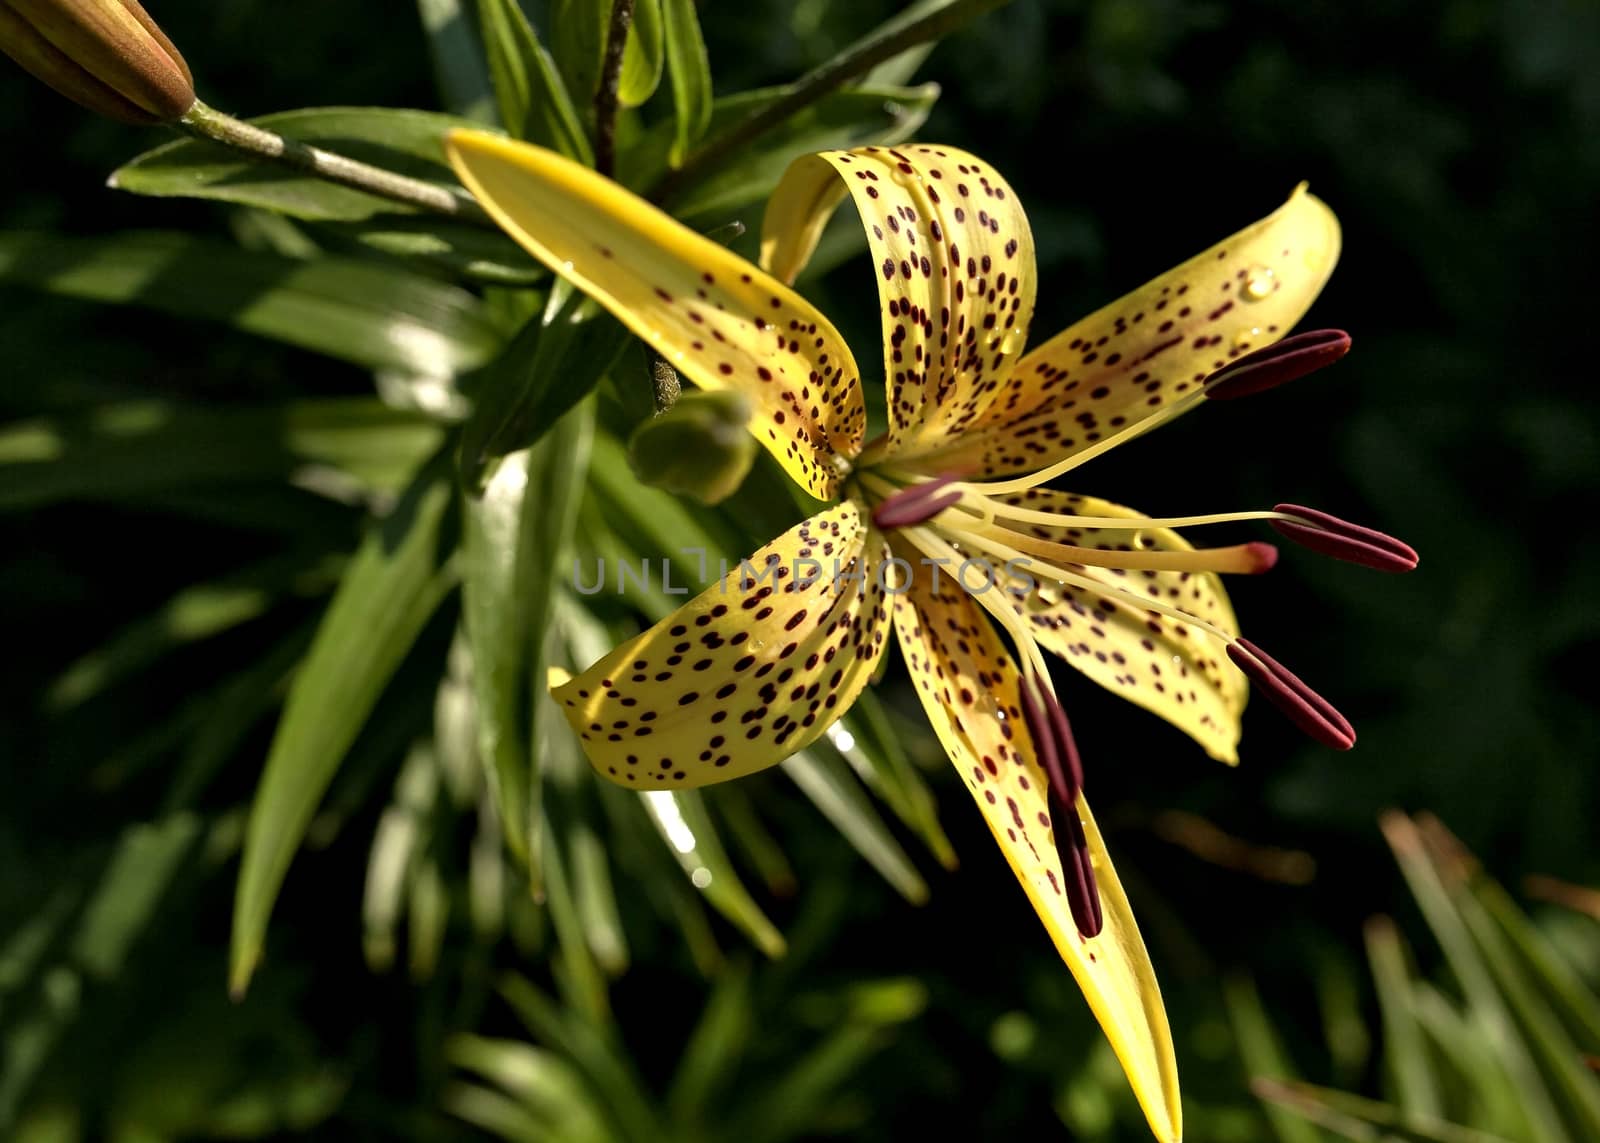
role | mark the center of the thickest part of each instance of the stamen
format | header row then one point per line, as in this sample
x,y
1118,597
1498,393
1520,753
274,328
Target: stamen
x,y
1066,745
1099,587
1058,755
917,504
1304,707
1276,364
1331,536
1065,781
1083,894
1252,558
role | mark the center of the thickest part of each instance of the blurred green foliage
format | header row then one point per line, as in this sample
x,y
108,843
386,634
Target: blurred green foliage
x,y
180,497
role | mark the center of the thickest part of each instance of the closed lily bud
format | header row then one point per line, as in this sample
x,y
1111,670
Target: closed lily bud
x,y
700,447
107,55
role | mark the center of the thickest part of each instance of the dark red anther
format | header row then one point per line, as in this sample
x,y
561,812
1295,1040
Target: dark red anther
x,y
1058,755
1278,363
1066,745
1299,703
1083,892
916,504
1331,536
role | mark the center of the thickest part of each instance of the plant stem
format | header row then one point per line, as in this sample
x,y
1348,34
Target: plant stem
x,y
259,143
888,40
605,99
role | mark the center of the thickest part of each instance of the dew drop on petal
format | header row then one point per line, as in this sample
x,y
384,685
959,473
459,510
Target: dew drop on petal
x,y
1259,281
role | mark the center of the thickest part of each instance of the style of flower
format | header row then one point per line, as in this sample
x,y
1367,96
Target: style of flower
x,y
943,528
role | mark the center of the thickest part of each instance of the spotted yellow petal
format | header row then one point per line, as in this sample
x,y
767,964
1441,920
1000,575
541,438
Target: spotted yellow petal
x,y
1142,352
968,683
751,670
955,273
720,321
1171,670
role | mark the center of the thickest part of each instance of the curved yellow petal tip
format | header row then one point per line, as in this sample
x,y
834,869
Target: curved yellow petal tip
x,y
557,677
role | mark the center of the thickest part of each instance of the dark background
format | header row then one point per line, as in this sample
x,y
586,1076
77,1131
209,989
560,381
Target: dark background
x,y
1459,144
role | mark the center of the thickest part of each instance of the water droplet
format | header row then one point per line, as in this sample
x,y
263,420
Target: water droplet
x,y
1246,339
1012,341
1259,281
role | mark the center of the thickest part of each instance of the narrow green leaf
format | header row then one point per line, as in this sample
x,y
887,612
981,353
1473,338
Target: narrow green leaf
x,y
788,1105
147,859
605,1068
407,142
197,612
134,450
752,839
642,55
427,917
690,72
596,899
458,60
1263,1054
548,1086
392,860
375,316
1488,1004
1363,1120
865,740
471,253
1560,1057
1565,992
1491,1100
534,102
684,824
1405,1055
554,361
578,31
851,117
714,1051
831,788
494,1112
399,575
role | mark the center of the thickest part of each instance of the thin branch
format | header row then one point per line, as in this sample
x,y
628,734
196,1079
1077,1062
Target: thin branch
x,y
605,99
888,41
204,122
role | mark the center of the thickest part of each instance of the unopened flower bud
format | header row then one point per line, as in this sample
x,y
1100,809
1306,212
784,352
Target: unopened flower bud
x,y
107,55
700,447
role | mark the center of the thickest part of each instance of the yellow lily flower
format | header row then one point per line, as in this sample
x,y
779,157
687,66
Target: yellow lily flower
x,y
942,529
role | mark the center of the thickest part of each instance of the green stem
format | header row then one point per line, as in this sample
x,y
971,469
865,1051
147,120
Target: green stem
x,y
605,98
259,143
889,40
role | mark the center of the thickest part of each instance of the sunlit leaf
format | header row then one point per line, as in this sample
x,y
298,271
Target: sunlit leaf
x,y
366,314
395,139
690,73
535,104
397,578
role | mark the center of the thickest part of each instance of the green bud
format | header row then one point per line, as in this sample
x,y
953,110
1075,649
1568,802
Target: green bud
x,y
107,55
700,447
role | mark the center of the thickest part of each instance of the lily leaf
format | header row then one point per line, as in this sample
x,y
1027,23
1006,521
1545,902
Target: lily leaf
x,y
686,827
552,363
395,139
833,790
458,60
1362,1120
535,104
690,72
468,252
842,119
374,316
399,575
515,535
642,55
